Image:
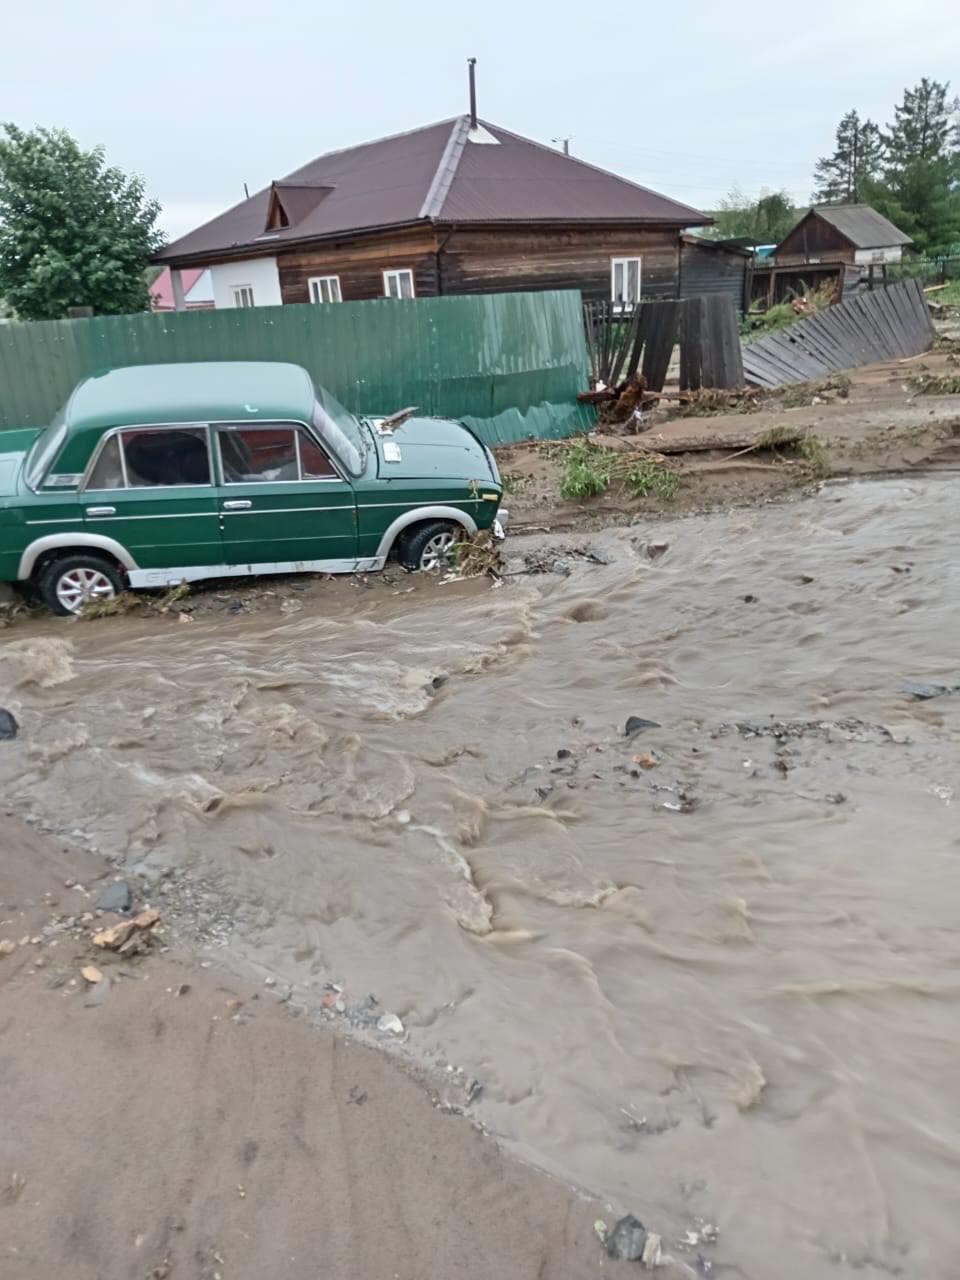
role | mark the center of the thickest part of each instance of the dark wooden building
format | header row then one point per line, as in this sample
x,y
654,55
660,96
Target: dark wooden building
x,y
715,266
453,208
852,233
838,245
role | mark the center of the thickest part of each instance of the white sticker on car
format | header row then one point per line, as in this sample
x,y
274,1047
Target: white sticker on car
x,y
391,451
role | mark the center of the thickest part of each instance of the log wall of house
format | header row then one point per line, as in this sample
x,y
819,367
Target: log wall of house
x,y
814,238
360,264
487,260
496,260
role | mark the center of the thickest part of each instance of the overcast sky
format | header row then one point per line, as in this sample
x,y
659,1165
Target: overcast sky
x,y
689,98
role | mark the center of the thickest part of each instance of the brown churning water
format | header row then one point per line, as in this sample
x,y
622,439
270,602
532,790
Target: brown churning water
x,y
722,989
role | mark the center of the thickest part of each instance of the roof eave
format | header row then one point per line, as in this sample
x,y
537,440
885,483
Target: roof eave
x,y
271,245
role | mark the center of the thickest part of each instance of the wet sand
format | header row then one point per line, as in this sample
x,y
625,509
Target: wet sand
x,y
147,1133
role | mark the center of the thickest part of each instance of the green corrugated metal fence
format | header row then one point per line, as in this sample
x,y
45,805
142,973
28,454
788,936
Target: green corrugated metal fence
x,y
510,364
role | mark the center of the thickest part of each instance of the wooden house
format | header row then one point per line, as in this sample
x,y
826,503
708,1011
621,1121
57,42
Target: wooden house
x,y
459,207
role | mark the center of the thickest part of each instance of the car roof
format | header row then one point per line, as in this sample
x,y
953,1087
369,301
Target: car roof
x,y
215,391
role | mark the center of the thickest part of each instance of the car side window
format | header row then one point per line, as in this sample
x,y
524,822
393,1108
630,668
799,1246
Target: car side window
x,y
142,457
107,472
271,454
169,457
314,463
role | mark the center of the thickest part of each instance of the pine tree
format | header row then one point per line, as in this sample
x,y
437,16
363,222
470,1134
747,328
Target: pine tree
x,y
856,161
919,188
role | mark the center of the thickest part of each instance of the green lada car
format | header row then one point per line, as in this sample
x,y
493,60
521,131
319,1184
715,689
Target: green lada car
x,y
160,474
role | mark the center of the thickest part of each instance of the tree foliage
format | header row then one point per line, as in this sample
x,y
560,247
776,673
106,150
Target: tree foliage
x,y
73,230
919,191
764,221
856,162
910,171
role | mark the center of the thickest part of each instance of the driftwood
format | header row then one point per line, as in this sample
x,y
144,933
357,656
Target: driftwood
x,y
729,440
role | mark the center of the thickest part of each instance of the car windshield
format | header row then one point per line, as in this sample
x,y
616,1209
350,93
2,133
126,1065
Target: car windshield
x,y
45,449
340,432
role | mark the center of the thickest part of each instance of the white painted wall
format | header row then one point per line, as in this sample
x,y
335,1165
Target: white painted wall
x,y
893,253
259,274
202,291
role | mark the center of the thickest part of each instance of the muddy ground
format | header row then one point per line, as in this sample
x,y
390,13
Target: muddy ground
x,y
162,1119
877,425
165,1118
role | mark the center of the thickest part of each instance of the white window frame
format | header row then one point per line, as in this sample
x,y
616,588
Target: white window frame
x,y
316,287
626,263
241,292
394,276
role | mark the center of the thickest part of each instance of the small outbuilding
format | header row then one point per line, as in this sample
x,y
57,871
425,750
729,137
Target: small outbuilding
x,y
852,233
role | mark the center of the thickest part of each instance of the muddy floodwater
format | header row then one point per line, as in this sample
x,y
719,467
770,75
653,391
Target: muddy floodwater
x,y
711,971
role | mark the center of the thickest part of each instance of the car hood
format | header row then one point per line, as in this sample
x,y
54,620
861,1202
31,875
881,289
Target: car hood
x,y
14,445
421,448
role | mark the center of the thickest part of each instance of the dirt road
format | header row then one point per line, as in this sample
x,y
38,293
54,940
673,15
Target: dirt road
x,y
170,1122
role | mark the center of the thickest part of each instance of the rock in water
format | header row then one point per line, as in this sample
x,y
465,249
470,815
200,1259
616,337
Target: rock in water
x,y
637,724
628,1239
921,691
8,725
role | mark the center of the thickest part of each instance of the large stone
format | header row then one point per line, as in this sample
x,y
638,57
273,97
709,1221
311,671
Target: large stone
x,y
628,1239
115,897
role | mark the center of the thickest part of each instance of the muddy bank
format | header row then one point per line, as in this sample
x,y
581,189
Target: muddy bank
x,y
873,422
169,1121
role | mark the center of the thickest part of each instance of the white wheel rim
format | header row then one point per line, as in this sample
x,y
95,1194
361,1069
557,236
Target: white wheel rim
x,y
78,587
434,554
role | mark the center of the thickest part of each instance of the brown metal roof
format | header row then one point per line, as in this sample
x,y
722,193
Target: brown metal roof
x,y
862,225
443,172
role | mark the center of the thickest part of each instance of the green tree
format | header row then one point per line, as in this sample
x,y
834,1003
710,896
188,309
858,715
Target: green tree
x,y
73,231
919,187
764,221
856,162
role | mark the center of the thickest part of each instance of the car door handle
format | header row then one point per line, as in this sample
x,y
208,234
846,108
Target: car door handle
x,y
238,504
101,511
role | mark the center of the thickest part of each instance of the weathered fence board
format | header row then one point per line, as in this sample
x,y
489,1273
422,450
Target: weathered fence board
x,y
887,324
623,340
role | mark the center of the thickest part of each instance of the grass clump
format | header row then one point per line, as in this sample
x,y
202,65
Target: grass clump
x,y
591,470
811,448
933,384
588,470
648,479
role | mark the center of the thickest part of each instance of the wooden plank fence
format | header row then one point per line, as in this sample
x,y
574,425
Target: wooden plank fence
x,y
888,324
641,339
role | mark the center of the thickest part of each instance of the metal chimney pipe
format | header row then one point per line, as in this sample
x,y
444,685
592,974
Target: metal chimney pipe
x,y
472,64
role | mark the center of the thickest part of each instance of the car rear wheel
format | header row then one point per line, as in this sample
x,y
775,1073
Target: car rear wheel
x,y
427,548
69,583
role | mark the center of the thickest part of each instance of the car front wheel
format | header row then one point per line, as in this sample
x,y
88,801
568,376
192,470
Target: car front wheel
x,y
68,584
428,548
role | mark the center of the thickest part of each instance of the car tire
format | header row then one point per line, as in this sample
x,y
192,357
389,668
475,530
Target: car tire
x,y
425,548
67,583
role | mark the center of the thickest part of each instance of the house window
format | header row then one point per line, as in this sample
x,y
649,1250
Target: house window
x,y
243,295
625,281
398,284
325,289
